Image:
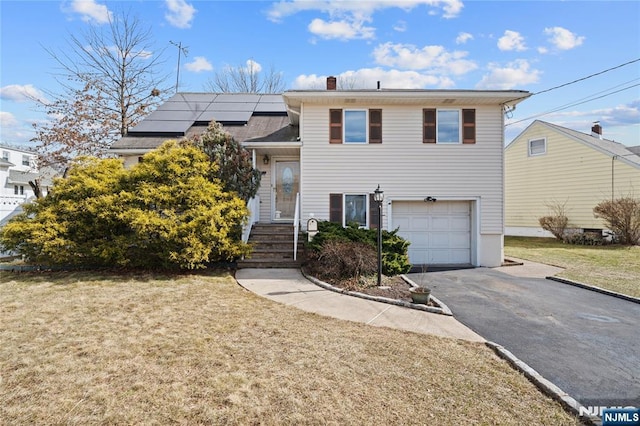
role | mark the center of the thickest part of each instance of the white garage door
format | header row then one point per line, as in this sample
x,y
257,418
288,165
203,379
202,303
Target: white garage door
x,y
440,232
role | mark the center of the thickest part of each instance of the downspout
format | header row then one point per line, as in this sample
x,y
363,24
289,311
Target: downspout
x,y
613,159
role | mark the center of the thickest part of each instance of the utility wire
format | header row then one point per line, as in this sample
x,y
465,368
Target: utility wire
x,y
574,81
587,77
572,105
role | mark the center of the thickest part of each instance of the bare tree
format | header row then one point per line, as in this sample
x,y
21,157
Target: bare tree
x,y
109,83
246,79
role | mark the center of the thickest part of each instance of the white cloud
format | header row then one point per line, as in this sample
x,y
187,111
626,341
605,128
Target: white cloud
x,y
347,18
21,93
253,66
180,13
514,74
199,64
400,26
433,58
284,8
463,38
367,78
7,119
511,40
562,38
91,11
343,30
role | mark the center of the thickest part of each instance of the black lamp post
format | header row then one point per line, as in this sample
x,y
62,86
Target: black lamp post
x,y
378,197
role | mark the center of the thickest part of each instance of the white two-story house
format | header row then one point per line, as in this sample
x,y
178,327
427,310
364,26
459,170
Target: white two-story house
x,y
436,154
17,168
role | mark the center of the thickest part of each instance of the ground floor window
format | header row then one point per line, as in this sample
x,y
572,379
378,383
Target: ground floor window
x,y
355,209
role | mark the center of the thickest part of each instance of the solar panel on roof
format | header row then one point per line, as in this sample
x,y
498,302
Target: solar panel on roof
x,y
152,126
238,97
270,107
222,116
271,98
232,106
159,115
195,97
183,106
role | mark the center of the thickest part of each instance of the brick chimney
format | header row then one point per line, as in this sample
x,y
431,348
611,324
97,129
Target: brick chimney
x,y
331,83
596,130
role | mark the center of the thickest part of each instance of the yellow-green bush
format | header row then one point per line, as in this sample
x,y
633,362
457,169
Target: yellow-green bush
x,y
164,212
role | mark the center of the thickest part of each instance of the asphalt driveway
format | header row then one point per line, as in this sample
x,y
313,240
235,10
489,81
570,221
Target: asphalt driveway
x,y
586,343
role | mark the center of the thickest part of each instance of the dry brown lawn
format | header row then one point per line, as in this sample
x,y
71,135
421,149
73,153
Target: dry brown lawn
x,y
83,348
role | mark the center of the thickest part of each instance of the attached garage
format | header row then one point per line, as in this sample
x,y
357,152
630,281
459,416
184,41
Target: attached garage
x,y
439,232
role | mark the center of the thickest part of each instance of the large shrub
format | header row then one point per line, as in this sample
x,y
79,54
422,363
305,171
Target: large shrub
x,y
622,216
395,258
164,212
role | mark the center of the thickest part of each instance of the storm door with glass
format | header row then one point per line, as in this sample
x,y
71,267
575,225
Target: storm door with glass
x,y
286,186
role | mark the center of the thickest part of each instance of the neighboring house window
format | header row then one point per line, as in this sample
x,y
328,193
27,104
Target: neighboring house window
x,y
5,155
355,126
348,208
18,190
449,126
537,147
15,189
21,190
25,160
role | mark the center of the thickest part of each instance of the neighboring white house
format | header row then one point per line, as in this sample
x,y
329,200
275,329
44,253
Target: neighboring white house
x,y
436,154
549,165
17,168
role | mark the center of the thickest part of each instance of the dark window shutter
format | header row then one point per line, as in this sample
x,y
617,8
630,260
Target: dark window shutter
x,y
469,126
335,126
429,126
335,208
375,126
374,215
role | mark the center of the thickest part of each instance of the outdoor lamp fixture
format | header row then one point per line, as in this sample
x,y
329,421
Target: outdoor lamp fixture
x,y
378,197
265,159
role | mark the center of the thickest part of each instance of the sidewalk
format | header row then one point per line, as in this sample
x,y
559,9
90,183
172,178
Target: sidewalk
x,y
290,287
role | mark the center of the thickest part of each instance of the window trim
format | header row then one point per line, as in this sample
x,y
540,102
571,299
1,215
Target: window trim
x,y
431,126
366,126
529,143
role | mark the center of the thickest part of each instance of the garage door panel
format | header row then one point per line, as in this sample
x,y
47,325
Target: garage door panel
x,y
440,233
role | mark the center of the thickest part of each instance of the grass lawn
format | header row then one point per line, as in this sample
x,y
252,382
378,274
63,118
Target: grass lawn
x,y
616,268
83,348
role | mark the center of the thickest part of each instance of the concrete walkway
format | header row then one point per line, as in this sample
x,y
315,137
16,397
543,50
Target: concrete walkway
x,y
290,287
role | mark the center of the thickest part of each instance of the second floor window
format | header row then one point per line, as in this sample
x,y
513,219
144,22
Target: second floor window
x,y
449,126
355,126
25,160
5,155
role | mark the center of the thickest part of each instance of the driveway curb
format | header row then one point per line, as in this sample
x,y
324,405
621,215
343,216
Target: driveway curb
x,y
596,289
547,387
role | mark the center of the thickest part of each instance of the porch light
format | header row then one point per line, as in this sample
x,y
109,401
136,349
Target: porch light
x,y
265,159
378,197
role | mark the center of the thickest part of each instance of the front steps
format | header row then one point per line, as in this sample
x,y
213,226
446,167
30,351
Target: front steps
x,y
272,247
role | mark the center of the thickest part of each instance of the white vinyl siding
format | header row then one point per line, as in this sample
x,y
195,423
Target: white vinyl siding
x,y
403,165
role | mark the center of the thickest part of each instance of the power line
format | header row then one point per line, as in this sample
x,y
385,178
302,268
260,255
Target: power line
x,y
587,77
572,105
567,84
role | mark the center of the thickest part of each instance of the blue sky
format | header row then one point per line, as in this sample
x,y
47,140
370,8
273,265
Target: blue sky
x,y
427,44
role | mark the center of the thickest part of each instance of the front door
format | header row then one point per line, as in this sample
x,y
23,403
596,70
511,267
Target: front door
x,y
287,180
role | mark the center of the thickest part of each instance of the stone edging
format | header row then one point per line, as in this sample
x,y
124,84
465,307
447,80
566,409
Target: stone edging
x,y
594,288
442,309
547,387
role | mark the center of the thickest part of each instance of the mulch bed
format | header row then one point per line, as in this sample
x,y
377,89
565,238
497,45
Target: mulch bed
x,y
392,287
